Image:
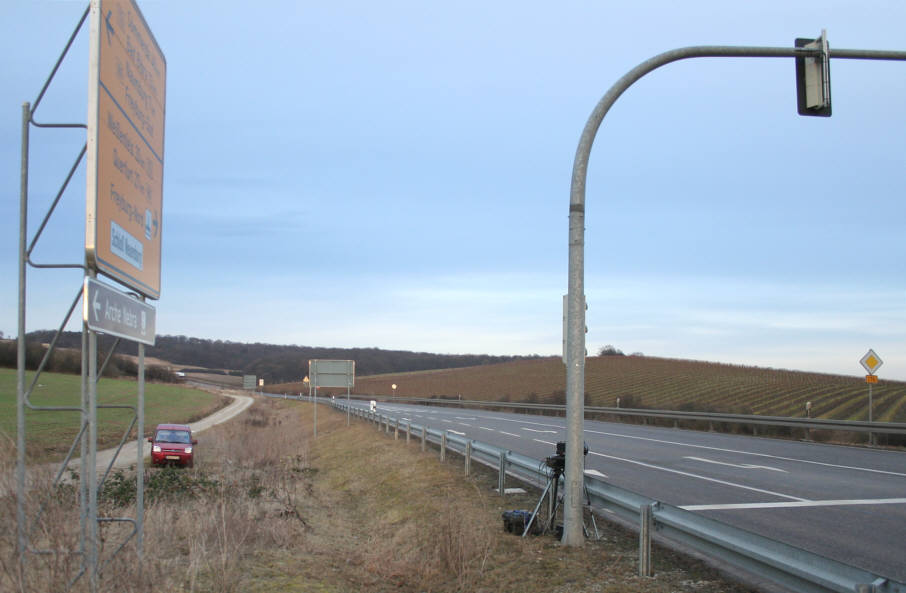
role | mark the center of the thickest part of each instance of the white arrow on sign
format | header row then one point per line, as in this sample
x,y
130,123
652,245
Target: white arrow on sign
x,y
96,306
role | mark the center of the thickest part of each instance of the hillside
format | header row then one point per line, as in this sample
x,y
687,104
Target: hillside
x,y
648,382
273,362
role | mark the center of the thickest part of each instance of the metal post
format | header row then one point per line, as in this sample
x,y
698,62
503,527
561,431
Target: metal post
x,y
315,404
575,338
424,436
91,475
871,435
140,457
21,528
501,474
348,409
408,430
645,516
443,446
468,455
396,430
83,459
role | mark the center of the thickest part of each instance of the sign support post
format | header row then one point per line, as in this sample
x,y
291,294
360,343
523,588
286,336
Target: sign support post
x,y
871,362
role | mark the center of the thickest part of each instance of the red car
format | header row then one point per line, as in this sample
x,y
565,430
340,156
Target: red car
x,y
172,444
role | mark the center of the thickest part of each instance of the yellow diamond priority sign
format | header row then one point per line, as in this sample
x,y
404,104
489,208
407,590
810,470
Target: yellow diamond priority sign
x,y
871,362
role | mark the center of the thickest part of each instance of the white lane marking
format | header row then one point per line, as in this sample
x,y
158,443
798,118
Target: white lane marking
x,y
739,465
790,505
766,455
462,434
486,428
594,472
447,421
545,442
542,431
509,434
466,418
464,424
706,478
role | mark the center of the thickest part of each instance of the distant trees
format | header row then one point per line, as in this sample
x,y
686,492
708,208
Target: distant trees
x,y
67,359
609,350
271,362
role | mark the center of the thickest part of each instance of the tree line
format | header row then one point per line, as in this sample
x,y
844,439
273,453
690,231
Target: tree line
x,y
272,362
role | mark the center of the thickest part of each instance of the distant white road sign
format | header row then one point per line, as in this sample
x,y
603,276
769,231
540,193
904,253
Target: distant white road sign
x,y
110,311
332,373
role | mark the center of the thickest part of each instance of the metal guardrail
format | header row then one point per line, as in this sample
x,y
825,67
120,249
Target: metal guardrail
x,y
792,567
897,428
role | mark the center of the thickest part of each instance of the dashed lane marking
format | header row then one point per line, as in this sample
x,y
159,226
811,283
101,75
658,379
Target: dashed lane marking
x,y
698,477
737,465
791,505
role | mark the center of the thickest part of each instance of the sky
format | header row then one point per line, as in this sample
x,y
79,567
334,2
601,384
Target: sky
x,y
396,175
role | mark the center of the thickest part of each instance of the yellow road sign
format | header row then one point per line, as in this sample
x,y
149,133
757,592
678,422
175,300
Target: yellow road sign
x,y
127,97
871,378
871,362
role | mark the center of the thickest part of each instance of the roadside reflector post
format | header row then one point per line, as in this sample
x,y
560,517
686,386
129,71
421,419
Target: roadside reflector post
x,y
468,455
501,475
645,516
443,446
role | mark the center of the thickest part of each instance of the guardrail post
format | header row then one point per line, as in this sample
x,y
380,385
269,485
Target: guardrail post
x,y
468,455
396,430
501,474
408,430
645,516
424,436
443,446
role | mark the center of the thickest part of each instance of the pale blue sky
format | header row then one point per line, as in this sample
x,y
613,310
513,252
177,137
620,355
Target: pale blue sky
x,y
396,175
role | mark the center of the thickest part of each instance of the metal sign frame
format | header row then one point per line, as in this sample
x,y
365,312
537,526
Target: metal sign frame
x,y
330,373
89,548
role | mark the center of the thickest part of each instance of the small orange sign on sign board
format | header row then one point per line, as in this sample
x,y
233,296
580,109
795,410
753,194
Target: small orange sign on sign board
x,y
127,97
871,378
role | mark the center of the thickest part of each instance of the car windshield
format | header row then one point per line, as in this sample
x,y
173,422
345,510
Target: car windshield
x,y
173,436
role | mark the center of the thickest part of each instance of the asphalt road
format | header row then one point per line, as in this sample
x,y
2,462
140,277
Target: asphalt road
x,y
845,503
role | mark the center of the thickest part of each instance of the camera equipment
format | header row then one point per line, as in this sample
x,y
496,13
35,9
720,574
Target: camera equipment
x,y
557,465
557,462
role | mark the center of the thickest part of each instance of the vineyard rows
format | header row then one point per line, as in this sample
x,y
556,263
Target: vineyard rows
x,y
658,383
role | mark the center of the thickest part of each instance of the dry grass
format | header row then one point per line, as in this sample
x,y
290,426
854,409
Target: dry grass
x,y
269,509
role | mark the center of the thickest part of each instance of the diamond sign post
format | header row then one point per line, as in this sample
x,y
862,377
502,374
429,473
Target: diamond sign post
x,y
871,362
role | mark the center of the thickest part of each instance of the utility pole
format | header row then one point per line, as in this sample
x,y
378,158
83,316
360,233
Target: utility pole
x,y
815,78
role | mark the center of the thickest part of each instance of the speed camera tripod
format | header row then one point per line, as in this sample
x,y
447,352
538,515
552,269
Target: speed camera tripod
x,y
557,464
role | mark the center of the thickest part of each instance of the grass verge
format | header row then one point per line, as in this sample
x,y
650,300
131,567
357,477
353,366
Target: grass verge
x,y
267,508
49,434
